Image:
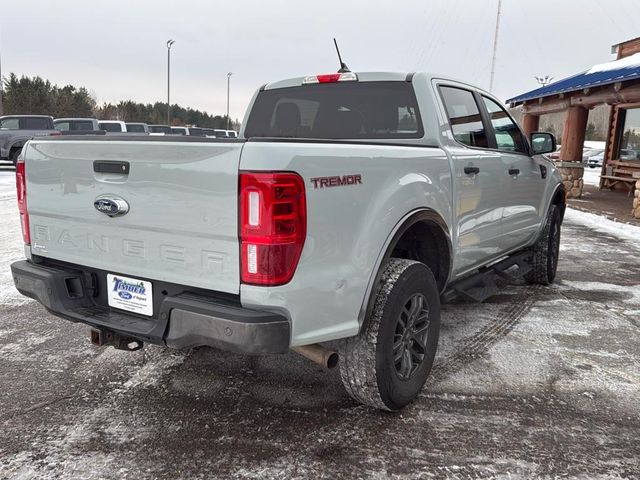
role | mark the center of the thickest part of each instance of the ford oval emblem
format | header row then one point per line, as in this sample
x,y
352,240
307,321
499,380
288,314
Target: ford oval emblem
x,y
111,205
125,295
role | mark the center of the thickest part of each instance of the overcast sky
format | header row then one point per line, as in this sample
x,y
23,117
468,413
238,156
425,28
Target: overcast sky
x,y
117,48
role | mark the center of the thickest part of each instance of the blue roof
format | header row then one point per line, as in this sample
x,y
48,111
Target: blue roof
x,y
622,70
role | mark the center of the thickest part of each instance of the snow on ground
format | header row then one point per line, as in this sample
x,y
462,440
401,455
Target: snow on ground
x,y
11,248
604,225
537,382
592,176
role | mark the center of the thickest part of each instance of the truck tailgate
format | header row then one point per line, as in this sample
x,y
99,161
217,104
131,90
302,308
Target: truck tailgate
x,y
181,226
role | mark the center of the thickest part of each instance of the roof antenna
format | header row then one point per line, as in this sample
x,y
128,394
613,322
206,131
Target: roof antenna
x,y
343,66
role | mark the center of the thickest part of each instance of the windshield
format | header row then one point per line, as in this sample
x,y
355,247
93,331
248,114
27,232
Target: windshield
x,y
344,110
135,128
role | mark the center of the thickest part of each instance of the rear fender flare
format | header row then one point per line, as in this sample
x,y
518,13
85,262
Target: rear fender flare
x,y
18,144
558,188
420,215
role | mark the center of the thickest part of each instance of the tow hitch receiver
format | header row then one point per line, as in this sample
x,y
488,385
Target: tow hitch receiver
x,y
106,337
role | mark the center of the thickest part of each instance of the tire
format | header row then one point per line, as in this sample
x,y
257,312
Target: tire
x,y
374,372
544,262
14,155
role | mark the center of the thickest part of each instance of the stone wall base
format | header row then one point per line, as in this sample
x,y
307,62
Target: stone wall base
x,y
635,211
571,173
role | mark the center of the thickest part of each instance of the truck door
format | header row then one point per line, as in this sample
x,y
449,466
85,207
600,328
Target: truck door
x,y
521,214
479,182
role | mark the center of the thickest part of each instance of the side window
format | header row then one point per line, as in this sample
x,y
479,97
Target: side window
x,y
508,135
10,123
464,116
630,135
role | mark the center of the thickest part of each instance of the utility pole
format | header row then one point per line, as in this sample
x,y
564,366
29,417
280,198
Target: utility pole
x,y
169,44
495,46
228,82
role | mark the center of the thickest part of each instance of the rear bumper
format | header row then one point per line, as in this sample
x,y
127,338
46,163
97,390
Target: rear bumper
x,y
182,320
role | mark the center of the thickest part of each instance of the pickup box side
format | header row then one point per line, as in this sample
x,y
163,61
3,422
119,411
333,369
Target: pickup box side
x,y
348,226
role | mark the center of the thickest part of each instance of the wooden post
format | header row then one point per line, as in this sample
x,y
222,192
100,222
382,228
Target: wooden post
x,y
530,124
571,167
575,126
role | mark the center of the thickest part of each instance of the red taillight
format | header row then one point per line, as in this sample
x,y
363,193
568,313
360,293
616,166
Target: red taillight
x,y
331,78
21,188
273,226
328,78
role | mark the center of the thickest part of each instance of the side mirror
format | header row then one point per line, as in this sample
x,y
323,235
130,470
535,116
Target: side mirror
x,y
542,142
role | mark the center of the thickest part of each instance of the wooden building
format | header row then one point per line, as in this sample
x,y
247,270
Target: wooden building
x,y
615,83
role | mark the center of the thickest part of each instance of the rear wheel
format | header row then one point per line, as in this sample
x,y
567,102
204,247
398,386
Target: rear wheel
x,y
544,262
387,364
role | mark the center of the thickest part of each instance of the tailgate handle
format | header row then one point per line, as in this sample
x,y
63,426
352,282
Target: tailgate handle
x,y
111,166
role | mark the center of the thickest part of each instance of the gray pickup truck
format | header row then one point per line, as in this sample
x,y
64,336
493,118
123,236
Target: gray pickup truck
x,y
350,206
16,130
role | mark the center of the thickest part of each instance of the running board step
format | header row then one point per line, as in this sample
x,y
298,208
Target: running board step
x,y
489,280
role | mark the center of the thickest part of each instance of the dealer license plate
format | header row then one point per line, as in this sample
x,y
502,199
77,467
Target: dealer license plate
x,y
130,294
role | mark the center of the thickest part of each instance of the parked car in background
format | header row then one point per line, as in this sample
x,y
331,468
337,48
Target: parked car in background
x,y
76,124
596,159
221,133
196,132
554,155
209,132
137,127
16,130
628,154
112,126
348,225
159,130
179,130
232,134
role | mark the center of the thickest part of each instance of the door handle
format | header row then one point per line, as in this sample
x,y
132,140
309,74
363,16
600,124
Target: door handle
x,y
111,166
471,170
514,171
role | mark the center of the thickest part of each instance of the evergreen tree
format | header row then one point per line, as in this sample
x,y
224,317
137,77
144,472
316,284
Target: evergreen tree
x,y
36,96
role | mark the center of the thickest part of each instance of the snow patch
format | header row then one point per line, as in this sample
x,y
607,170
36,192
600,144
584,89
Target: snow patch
x,y
602,224
631,61
154,370
633,291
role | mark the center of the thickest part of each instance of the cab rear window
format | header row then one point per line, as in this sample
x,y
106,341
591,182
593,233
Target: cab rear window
x,y
341,110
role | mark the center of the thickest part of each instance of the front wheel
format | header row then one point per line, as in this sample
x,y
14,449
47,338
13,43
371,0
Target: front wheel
x,y
387,364
545,252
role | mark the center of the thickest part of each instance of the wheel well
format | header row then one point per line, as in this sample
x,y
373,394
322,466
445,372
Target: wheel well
x,y
559,199
426,242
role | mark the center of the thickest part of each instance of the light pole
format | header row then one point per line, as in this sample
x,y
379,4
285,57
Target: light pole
x,y
544,81
169,44
228,83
